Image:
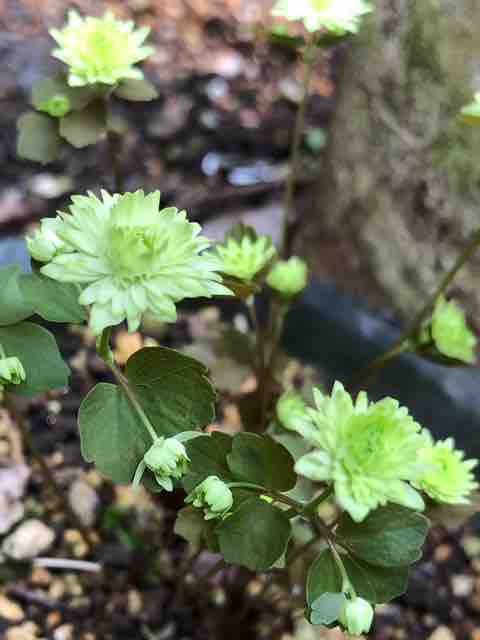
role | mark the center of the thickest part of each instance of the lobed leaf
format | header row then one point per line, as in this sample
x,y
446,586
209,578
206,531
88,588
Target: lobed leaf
x,y
260,460
14,307
37,350
391,536
38,139
255,536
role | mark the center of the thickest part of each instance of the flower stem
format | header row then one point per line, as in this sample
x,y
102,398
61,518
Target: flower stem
x,y
314,504
104,351
401,344
295,156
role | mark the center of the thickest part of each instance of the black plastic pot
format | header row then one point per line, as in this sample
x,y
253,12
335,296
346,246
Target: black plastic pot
x,y
340,335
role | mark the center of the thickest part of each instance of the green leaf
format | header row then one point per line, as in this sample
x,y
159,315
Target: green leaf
x,y
208,457
136,90
327,608
255,536
391,536
191,526
47,88
38,138
82,128
53,301
261,460
172,388
14,307
111,433
38,352
323,577
378,585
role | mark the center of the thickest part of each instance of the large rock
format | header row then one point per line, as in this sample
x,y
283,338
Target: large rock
x,y
399,190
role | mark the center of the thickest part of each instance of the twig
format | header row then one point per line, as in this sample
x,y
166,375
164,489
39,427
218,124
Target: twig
x,y
401,344
308,59
67,564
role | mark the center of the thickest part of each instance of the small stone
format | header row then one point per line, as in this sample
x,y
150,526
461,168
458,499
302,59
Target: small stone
x,y
471,546
10,610
49,185
442,553
40,577
73,585
29,540
26,631
442,633
134,602
462,586
64,632
12,486
57,589
53,619
83,501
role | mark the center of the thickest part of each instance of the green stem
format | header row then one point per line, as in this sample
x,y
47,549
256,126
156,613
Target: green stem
x,y
271,493
401,344
316,502
347,586
295,156
104,351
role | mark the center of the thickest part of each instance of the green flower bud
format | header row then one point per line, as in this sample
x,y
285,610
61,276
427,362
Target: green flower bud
x,y
288,277
213,496
11,371
337,16
167,458
56,106
244,258
446,476
357,616
292,413
100,50
45,244
450,332
471,113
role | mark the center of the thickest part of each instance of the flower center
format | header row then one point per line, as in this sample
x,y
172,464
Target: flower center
x,y
132,250
108,49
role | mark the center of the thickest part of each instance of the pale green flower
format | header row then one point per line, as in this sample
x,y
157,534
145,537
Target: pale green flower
x,y
471,113
213,496
246,257
288,277
291,411
450,332
45,244
337,16
132,258
367,450
357,616
11,371
446,476
168,460
100,50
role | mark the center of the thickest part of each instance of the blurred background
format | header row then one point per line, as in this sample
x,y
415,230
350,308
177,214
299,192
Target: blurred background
x,y
388,194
